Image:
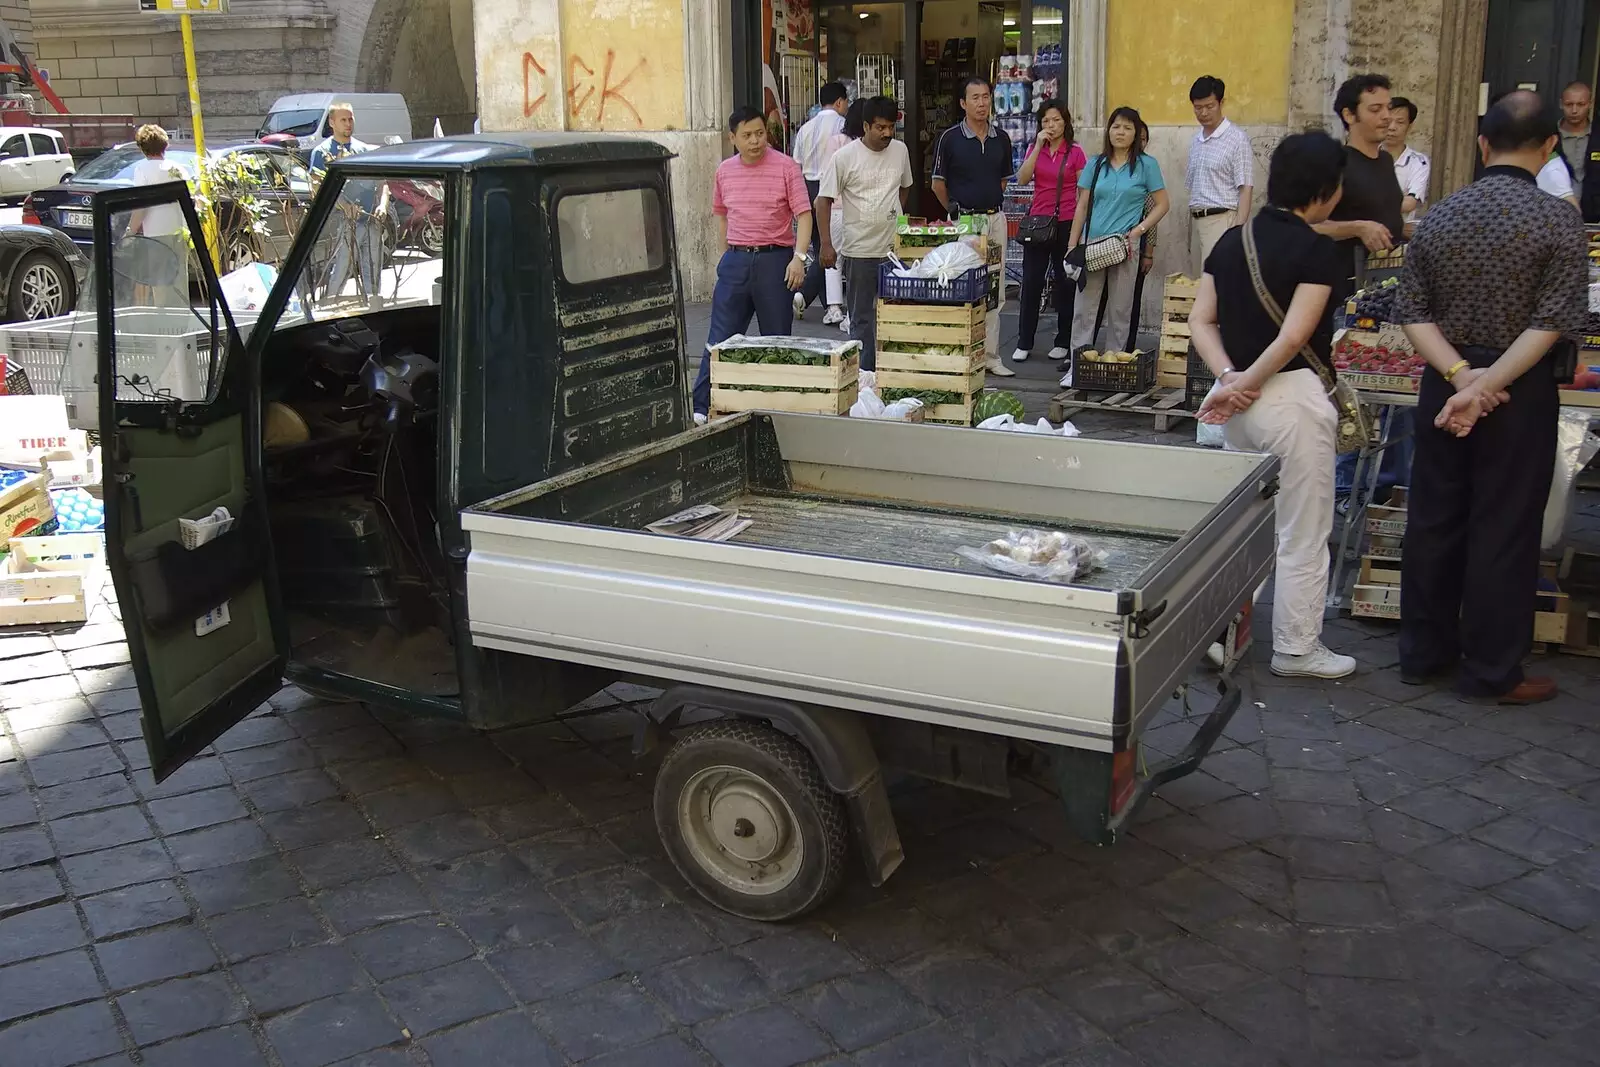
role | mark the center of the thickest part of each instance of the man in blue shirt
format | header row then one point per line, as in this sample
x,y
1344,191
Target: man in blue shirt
x,y
358,237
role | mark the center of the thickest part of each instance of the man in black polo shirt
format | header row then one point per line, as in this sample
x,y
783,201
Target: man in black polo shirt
x,y
1488,408
971,166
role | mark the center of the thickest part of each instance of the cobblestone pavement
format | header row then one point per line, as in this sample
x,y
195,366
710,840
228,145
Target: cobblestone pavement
x,y
1364,873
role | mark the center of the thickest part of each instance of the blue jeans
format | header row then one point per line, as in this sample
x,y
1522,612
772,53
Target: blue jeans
x,y
812,290
1395,467
748,284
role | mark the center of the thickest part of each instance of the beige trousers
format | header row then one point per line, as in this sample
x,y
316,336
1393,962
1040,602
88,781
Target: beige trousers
x,y
1203,237
1295,421
991,324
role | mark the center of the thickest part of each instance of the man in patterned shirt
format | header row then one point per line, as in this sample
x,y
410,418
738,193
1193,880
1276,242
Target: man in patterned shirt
x,y
1496,275
1220,174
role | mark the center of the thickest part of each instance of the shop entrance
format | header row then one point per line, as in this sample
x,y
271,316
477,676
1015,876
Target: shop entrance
x,y
918,53
1542,45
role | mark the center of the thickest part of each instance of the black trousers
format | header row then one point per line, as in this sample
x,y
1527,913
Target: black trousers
x,y
1468,579
812,288
1038,260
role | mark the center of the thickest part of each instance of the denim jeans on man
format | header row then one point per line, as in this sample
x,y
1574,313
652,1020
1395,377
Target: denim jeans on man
x,y
748,284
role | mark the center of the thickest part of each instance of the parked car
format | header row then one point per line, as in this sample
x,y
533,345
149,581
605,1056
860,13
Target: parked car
x,y
41,272
32,158
285,185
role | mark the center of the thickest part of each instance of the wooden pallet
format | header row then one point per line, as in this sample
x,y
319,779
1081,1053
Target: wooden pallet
x,y
1165,404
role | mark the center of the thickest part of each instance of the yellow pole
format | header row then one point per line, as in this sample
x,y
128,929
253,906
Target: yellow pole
x,y
209,221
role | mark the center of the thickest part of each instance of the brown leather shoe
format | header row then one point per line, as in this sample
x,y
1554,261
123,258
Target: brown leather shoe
x,y
1531,691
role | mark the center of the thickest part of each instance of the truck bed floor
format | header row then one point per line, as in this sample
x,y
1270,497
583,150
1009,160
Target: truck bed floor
x,y
917,538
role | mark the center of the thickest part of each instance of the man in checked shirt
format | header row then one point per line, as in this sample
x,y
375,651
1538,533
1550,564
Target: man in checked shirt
x,y
1496,275
1220,173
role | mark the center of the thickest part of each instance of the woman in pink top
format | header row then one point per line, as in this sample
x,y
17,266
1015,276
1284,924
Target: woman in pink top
x,y
1053,166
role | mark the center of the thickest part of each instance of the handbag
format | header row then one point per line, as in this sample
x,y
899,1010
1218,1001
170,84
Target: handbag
x,y
1355,430
1101,253
1041,229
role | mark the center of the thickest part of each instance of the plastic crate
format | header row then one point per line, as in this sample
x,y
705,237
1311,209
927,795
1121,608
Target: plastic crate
x,y
1197,381
1135,376
968,288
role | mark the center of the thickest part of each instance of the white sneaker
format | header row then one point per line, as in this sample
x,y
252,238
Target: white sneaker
x,y
1059,353
799,306
998,369
833,316
699,418
1320,662
1020,355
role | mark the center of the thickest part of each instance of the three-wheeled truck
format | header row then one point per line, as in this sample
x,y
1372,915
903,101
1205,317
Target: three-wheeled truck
x,y
437,473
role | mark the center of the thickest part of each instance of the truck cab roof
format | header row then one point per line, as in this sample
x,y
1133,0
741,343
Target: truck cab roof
x,y
470,151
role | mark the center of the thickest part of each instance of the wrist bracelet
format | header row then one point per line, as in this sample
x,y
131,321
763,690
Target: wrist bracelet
x,y
1449,375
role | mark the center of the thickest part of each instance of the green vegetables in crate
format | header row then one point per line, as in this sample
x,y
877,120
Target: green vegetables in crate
x,y
930,397
992,402
785,351
916,349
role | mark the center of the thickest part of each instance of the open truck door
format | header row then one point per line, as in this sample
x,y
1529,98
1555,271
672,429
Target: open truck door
x,y
186,523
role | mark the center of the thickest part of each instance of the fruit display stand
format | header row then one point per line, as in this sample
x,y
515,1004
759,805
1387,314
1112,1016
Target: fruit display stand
x,y
827,386
1378,361
1177,301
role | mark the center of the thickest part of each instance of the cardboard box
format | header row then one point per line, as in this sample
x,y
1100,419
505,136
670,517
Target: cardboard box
x,y
25,509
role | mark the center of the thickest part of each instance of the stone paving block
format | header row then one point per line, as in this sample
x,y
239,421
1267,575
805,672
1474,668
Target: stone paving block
x,y
798,958
1400,834
1193,899
12,647
1470,863
1579,818
1574,963
101,829
1528,840
42,694
31,668
1334,822
29,887
390,809
147,957
1183,1038
478,878
663,1052
57,767
219,846
270,928
1029,1029
122,726
1552,895
342,862
1326,902
1520,997
203,773
704,987
327,1031
1270,1015
194,811
233,1046
509,1040
256,731
137,907
528,918
40,932
1194,968
291,790
1512,792
955,979
63,1038
179,1007
408,947
528,818
1316,858
445,996
65,737
92,681
45,983
24,847
113,868
1313,787
373,902
594,898
249,763
935,1046
298,976
262,880
442,838
318,824
1114,996
651,938
861,1010
765,1037
553,968
567,853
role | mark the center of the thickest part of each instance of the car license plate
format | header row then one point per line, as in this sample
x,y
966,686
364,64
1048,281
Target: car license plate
x,y
78,220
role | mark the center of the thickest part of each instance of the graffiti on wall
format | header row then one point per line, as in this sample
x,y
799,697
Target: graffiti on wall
x,y
582,84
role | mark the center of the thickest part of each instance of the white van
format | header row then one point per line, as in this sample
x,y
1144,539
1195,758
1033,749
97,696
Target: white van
x,y
304,116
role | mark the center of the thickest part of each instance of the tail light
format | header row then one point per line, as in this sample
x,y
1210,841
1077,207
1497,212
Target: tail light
x,y
1124,778
28,213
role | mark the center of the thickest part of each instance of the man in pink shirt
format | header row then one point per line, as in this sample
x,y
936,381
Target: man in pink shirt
x,y
763,221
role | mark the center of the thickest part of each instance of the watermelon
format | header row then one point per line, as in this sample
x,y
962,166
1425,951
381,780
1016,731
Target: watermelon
x,y
992,402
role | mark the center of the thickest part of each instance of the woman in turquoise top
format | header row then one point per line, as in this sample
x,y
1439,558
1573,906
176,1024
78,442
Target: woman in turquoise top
x,y
1112,192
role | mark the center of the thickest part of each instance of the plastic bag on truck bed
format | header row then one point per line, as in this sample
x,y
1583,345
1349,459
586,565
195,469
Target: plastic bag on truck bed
x,y
945,263
1049,554
1575,447
1007,421
869,405
794,351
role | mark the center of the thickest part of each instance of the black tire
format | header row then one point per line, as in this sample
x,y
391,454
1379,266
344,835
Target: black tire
x,y
819,821
25,276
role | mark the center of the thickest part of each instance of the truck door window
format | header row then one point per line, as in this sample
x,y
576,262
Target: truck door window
x,y
170,330
610,234
368,256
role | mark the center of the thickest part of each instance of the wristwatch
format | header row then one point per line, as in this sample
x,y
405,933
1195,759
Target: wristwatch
x,y
803,257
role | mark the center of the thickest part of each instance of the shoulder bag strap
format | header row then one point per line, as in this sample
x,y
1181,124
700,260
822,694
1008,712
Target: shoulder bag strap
x,y
1274,312
1088,217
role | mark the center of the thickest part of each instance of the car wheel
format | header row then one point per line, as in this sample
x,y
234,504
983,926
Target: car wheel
x,y
41,288
748,821
241,253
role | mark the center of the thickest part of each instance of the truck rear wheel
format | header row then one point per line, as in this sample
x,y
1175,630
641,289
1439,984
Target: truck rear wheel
x,y
749,822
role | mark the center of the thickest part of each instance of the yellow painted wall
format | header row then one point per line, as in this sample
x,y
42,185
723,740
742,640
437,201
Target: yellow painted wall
x,y
1155,49
580,64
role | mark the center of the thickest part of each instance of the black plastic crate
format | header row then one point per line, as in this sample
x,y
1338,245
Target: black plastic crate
x,y
1135,376
1198,381
969,288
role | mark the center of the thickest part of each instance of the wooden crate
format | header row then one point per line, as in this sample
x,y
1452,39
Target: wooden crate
x,y
838,377
51,579
1379,570
1384,546
963,362
898,370
958,325
1388,520
1172,370
1375,602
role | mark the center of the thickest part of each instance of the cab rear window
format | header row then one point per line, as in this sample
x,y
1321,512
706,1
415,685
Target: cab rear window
x,y
610,234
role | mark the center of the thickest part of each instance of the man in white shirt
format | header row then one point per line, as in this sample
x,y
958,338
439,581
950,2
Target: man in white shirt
x,y
814,145
163,223
1411,168
1220,173
871,179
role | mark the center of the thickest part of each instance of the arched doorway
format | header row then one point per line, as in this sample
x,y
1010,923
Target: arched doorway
x,y
422,49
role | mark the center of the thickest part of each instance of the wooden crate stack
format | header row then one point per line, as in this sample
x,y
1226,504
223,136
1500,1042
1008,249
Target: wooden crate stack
x,y
1177,300
958,326
782,383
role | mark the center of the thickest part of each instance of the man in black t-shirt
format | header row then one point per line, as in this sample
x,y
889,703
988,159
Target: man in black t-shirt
x,y
1369,213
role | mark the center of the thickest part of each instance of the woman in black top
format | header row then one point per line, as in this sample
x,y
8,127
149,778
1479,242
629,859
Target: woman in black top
x,y
1267,393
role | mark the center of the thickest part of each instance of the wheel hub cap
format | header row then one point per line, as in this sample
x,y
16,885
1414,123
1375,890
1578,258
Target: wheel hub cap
x,y
743,823
740,830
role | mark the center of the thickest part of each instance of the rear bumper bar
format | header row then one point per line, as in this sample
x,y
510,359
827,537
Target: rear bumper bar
x,y
1186,761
